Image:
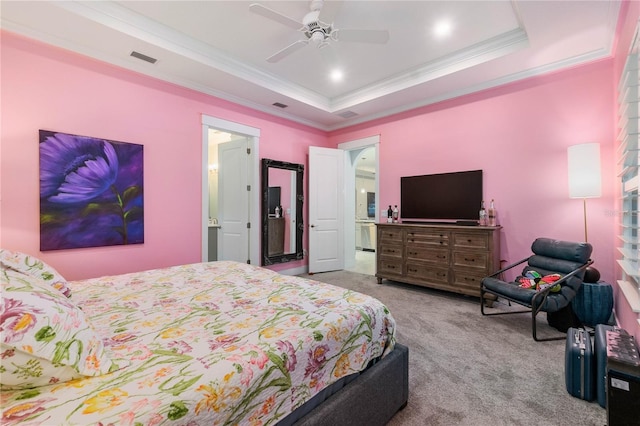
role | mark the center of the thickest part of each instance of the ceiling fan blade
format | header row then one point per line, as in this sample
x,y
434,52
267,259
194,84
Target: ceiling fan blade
x,y
264,11
329,11
363,36
287,51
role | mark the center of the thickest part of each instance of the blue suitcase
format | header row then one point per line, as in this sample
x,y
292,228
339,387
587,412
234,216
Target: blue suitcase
x,y
579,364
600,352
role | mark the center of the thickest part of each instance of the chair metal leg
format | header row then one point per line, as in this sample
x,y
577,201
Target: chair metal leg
x,y
534,313
533,330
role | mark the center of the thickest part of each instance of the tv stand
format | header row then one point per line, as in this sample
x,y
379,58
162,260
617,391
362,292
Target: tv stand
x,y
446,257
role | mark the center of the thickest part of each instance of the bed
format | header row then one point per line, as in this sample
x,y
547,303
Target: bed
x,y
207,343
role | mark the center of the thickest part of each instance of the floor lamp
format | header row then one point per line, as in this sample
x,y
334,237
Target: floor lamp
x,y
585,181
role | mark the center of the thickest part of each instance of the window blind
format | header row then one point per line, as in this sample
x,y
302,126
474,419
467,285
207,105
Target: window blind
x,y
628,159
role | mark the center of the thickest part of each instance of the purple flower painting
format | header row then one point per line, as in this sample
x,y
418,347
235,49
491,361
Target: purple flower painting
x,y
90,192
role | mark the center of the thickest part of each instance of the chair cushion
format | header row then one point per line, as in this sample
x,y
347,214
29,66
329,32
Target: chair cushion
x,y
511,290
550,257
524,296
565,250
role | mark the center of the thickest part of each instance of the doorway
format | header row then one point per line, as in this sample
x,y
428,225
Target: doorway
x,y
230,191
361,172
366,206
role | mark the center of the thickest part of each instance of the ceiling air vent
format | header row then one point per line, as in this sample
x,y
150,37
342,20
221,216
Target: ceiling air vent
x,y
144,57
347,114
279,105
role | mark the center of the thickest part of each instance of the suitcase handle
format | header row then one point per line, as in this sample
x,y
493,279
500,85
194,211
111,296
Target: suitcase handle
x,y
579,338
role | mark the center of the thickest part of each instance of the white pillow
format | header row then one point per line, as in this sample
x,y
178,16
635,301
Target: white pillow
x,y
44,337
34,267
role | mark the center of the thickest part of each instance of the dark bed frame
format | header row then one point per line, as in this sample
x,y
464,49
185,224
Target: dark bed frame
x,y
370,398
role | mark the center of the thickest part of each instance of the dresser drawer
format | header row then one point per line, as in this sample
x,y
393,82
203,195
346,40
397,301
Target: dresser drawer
x,y
427,237
471,259
389,266
390,250
388,234
471,240
428,273
428,254
467,279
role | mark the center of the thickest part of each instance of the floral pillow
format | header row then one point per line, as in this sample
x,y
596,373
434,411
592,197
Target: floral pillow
x,y
34,267
44,337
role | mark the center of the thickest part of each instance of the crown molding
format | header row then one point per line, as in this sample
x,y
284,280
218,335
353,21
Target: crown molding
x,y
511,78
493,48
119,18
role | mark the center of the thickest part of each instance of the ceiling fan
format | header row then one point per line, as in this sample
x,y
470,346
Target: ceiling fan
x,y
316,30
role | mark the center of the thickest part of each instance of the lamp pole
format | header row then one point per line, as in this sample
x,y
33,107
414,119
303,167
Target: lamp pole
x,y
584,200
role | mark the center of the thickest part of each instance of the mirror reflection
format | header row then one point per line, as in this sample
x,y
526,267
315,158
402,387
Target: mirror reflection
x,y
282,199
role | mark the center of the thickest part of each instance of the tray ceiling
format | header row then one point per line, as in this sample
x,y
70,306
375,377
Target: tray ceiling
x,y
221,48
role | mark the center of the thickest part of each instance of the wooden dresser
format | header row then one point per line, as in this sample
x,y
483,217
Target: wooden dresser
x,y
276,236
446,257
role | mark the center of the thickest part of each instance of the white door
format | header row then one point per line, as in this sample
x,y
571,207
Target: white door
x,y
326,209
233,201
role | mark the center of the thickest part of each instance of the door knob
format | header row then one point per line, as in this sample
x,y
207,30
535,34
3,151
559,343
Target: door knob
x,y
312,226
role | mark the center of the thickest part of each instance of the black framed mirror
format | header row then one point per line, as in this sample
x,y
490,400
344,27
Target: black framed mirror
x,y
282,200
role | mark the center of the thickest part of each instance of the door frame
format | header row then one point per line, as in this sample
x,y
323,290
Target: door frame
x,y
253,134
350,187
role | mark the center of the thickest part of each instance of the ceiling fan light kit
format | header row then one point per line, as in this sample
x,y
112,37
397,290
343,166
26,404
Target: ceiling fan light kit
x,y
315,30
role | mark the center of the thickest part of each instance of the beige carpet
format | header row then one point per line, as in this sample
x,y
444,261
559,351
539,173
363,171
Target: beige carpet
x,y
466,369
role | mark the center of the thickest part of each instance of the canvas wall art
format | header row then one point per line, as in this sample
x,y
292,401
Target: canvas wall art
x,y
91,192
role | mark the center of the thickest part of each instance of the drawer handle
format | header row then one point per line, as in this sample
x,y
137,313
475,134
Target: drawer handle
x,y
412,240
441,242
392,267
470,279
442,275
468,241
413,270
411,253
441,257
469,260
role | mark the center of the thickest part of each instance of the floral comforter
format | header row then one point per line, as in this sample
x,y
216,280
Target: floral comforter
x,y
211,343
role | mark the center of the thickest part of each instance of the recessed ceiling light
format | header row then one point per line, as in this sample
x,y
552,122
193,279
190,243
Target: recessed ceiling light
x,y
442,28
336,75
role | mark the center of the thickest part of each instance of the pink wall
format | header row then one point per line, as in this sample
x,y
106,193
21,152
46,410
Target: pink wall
x,y
518,135
49,88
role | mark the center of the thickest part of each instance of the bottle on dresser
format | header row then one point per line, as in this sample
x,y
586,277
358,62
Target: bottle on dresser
x,y
389,214
395,214
483,215
492,214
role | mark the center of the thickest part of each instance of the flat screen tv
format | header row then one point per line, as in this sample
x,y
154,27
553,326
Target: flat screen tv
x,y
442,197
274,199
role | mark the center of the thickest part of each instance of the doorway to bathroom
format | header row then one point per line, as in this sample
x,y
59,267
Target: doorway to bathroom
x,y
230,192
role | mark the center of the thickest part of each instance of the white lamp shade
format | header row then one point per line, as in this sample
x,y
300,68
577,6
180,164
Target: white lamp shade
x,y
585,179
